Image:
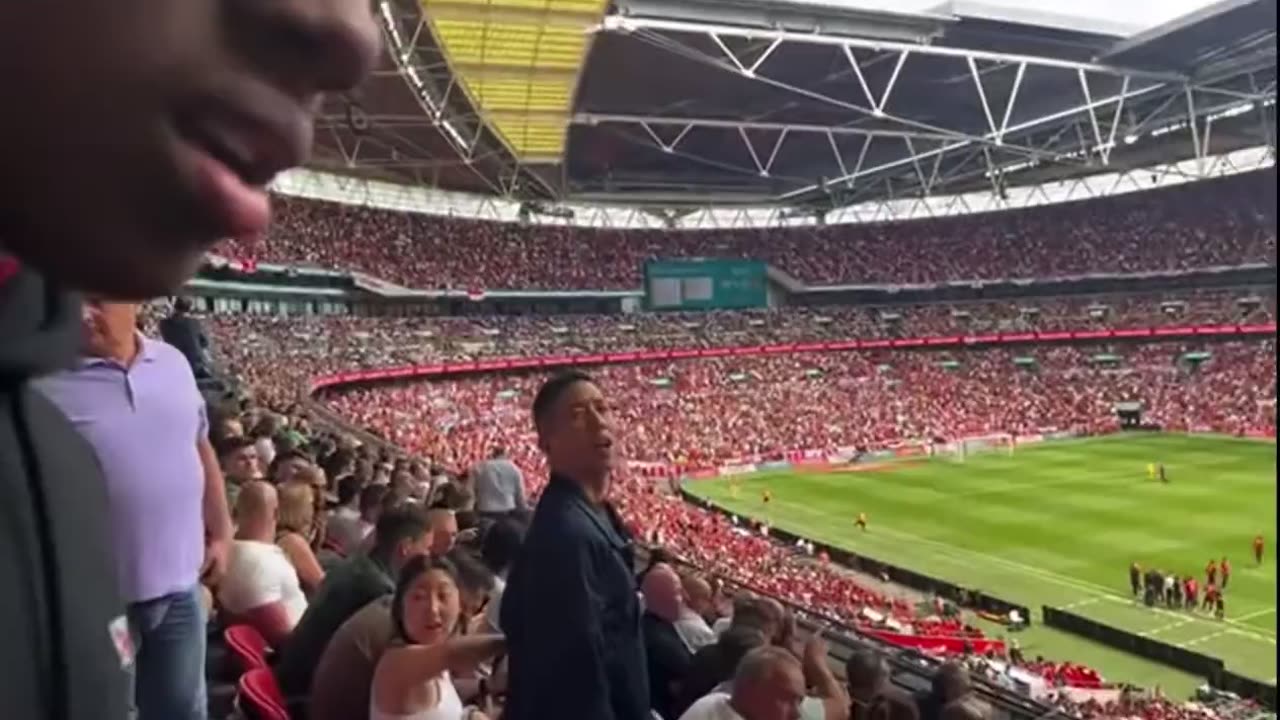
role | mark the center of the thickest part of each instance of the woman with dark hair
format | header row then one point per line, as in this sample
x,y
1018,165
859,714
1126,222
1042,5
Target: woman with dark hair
x,y
413,678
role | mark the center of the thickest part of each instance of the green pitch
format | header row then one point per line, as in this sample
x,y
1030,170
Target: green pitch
x,y
1058,524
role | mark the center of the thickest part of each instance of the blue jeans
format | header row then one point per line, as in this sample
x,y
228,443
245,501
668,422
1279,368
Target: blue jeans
x,y
168,673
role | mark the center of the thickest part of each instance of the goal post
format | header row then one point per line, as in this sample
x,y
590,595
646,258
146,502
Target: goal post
x,y
961,449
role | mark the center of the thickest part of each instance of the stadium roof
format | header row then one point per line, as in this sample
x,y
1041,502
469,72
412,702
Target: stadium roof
x,y
811,104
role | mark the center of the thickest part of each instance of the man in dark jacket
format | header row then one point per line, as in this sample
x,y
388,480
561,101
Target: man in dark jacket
x,y
570,611
139,151
184,332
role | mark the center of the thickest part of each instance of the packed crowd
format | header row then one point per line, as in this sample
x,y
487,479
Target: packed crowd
x,y
280,352
1166,229
684,415
705,412
480,413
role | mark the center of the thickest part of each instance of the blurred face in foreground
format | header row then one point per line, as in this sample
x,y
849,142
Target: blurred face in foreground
x,y
156,136
578,435
776,695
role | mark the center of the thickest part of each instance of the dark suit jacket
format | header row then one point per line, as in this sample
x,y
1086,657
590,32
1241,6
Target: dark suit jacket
x,y
571,614
669,661
184,332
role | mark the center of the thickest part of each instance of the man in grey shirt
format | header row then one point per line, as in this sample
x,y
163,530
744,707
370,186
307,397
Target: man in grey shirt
x,y
498,485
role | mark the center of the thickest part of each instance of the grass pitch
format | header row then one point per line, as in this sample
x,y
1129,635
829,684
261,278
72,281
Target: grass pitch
x,y
1058,524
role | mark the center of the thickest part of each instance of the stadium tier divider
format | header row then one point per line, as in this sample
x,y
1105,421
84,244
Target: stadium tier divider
x,y
1208,667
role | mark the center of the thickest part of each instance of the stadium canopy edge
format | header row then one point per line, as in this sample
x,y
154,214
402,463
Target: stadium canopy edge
x,y
351,190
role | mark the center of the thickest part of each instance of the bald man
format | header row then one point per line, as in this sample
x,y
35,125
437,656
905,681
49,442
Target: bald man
x,y
261,587
699,610
768,685
667,655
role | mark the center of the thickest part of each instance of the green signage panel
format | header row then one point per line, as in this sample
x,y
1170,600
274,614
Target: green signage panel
x,y
704,284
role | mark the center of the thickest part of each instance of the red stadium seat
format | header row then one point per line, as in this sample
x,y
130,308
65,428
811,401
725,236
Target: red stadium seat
x,y
248,646
260,697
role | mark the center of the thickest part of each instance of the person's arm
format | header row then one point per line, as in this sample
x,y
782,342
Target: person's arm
x,y
303,560
817,675
403,668
521,503
560,632
217,519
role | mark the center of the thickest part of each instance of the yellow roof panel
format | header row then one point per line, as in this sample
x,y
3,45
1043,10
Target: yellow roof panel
x,y
519,63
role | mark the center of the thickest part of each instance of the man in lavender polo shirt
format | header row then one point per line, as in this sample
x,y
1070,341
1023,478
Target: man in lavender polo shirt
x,y
136,402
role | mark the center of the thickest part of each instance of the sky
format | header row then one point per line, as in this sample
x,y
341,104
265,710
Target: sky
x,y
1127,16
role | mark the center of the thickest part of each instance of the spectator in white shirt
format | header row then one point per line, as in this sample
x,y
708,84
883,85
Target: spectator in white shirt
x,y
261,587
768,685
498,485
697,610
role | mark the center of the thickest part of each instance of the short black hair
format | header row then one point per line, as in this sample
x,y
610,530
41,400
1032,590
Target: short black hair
x,y
371,497
472,575
228,445
181,305
552,390
349,487
866,669
402,522
451,496
501,543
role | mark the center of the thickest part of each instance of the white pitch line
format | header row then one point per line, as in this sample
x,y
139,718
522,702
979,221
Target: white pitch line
x,y
1099,591
1170,626
1250,616
1210,636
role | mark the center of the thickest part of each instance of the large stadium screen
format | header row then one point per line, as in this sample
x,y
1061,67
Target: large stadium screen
x,y
704,284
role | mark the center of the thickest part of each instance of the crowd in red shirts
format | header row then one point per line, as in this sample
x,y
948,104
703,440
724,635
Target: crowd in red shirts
x,y
1165,229
281,353
697,413
1155,707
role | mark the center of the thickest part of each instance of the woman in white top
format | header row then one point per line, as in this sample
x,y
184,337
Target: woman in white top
x,y
412,678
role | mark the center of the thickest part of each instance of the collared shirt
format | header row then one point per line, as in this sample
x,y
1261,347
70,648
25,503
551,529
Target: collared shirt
x,y
144,423
499,486
693,630
571,610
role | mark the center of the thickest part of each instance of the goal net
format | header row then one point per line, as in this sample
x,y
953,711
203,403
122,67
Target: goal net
x,y
961,448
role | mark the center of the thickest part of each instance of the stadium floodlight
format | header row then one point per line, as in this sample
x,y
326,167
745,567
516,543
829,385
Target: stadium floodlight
x,y
1130,139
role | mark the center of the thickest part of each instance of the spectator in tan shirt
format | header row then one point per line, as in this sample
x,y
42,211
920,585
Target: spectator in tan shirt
x,y
340,687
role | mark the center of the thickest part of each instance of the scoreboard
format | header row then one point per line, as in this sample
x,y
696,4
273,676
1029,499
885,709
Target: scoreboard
x,y
705,284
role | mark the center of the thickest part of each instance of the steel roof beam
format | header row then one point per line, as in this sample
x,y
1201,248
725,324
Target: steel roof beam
x,y
1036,122
622,24
651,121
